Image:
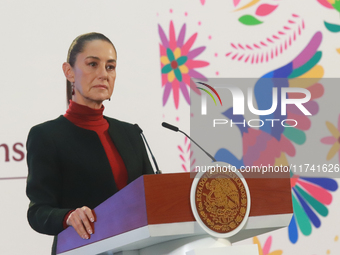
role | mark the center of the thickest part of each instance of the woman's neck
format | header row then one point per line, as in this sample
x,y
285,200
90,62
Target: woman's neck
x,y
86,117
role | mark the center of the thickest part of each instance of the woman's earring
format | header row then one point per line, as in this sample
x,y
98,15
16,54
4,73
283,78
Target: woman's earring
x,y
72,84
110,99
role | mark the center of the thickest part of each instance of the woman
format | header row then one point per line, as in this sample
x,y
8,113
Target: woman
x,y
80,159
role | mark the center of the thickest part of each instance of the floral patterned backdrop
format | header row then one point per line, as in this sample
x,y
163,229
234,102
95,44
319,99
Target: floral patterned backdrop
x,y
264,39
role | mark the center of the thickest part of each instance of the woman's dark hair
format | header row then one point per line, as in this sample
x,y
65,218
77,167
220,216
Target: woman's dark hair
x,y
77,47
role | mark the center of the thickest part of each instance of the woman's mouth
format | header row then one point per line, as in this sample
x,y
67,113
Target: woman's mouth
x,y
100,86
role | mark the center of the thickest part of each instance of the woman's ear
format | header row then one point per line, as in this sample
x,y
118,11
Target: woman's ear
x,y
68,72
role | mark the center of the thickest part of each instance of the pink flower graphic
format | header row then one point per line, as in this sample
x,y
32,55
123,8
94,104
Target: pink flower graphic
x,y
265,250
187,155
178,64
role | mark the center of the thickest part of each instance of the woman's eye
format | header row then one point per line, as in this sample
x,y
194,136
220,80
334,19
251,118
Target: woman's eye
x,y
111,67
92,64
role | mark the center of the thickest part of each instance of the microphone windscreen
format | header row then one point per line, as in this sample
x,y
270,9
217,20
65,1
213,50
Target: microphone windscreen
x,y
167,125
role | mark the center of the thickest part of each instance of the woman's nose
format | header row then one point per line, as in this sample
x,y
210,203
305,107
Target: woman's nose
x,y
102,72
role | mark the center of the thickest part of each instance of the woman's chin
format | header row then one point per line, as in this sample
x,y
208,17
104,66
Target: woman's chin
x,y
101,98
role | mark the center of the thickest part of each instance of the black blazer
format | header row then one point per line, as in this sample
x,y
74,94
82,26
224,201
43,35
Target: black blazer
x,y
68,168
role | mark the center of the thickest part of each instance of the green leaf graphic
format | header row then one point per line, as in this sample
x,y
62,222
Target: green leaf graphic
x,y
295,135
336,6
332,27
181,60
249,20
301,217
170,54
178,74
166,69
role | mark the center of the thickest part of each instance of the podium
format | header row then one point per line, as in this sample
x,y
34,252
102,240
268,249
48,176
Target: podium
x,y
155,209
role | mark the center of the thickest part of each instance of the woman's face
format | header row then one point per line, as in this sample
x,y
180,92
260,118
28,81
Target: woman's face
x,y
94,73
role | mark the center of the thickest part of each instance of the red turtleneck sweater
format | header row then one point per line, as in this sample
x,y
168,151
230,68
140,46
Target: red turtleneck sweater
x,y
93,119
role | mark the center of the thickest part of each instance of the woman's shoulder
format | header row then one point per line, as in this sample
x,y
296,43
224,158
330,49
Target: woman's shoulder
x,y
55,123
51,126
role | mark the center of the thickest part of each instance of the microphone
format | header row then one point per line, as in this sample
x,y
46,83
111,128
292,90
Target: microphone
x,y
153,158
176,129
171,127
